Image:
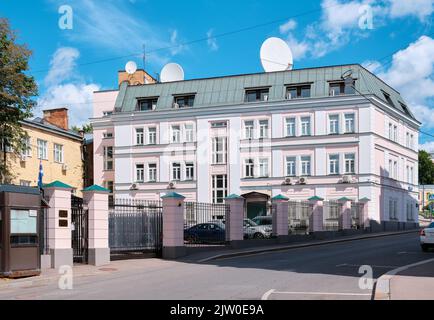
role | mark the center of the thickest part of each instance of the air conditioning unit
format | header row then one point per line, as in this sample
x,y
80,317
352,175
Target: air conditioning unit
x,y
347,179
302,180
287,181
175,105
134,187
23,158
64,167
289,96
154,106
265,97
171,186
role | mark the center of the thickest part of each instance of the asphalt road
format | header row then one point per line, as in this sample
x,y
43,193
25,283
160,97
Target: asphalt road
x,y
320,272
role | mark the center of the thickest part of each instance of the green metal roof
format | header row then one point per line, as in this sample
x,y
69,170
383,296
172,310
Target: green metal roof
x,y
315,198
173,195
96,188
344,199
280,197
234,196
57,184
229,90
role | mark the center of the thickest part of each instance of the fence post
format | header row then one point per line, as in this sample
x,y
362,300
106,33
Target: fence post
x,y
364,213
280,216
58,196
234,222
316,222
96,199
345,213
173,226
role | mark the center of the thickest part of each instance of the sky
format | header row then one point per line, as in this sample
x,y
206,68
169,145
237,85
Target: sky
x,y
76,54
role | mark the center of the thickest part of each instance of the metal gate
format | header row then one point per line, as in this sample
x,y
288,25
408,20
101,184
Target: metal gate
x,y
80,231
135,227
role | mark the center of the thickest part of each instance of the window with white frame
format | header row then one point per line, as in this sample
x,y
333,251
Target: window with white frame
x,y
395,133
390,168
189,171
349,123
290,127
395,170
410,211
411,175
108,158
176,171
390,131
219,150
219,188
290,166
152,172
249,168
407,170
58,153
42,149
189,137
152,135
334,164
305,126
305,166
411,141
176,134
140,137
248,129
263,168
334,124
140,172
350,160
263,129
407,139
27,147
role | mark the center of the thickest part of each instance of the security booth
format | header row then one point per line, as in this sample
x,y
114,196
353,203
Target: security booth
x,y
19,231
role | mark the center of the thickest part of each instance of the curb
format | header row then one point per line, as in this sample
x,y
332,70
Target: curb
x,y
303,245
382,288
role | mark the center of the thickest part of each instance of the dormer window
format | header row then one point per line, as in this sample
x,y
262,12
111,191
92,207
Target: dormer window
x,y
338,88
387,97
300,91
186,101
147,104
257,95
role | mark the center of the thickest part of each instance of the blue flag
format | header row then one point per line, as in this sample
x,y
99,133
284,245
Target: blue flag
x,y
41,174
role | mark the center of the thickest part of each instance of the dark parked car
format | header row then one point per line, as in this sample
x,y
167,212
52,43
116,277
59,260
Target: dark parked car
x,y
211,232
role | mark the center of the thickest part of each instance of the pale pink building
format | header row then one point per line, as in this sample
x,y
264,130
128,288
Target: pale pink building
x,y
298,133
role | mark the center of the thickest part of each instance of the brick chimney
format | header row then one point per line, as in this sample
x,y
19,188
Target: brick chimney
x,y
57,117
139,77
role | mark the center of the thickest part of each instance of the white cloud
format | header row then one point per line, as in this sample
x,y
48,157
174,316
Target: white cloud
x,y
412,73
65,88
419,8
212,42
288,26
427,146
373,66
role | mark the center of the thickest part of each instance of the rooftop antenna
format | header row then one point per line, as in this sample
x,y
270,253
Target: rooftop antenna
x,y
276,55
144,57
172,72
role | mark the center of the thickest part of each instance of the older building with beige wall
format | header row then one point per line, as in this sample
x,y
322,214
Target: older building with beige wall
x,y
59,149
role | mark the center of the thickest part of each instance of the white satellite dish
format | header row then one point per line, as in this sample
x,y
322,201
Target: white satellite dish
x,y
131,67
276,55
172,72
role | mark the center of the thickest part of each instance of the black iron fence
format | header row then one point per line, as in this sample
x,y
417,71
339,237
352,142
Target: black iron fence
x,y
80,231
356,215
204,223
331,215
298,217
135,226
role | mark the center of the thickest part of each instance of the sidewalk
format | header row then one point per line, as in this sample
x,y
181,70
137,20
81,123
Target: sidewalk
x,y
413,282
216,254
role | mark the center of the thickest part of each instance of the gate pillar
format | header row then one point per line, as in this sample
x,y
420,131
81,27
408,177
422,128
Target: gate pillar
x,y
96,200
234,219
58,196
173,226
280,216
316,219
345,214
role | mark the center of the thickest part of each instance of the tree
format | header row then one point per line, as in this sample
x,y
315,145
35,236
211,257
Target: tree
x,y
426,168
16,92
86,128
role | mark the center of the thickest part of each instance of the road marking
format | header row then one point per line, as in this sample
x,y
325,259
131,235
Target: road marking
x,y
359,265
267,294
349,294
